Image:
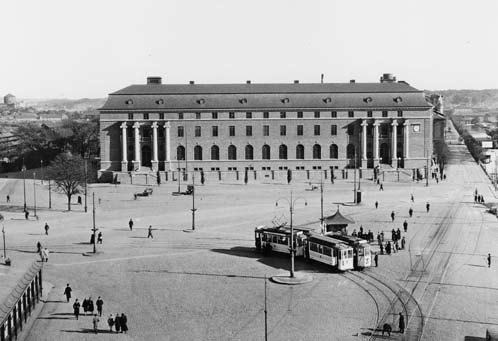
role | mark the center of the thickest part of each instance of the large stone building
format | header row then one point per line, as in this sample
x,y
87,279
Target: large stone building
x,y
232,127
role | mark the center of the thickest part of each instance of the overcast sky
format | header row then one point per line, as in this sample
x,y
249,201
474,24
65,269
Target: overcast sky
x,y
76,48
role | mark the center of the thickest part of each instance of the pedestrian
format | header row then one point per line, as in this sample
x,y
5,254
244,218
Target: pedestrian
x,y
410,212
117,323
370,236
381,188
90,305
388,248
378,238
475,198
382,236
428,206
444,176
100,201
92,238
95,322
376,260
67,292
396,246
99,238
46,228
85,305
376,205
398,234
130,224
403,242
124,323
45,255
381,248
405,226
392,215
110,322
38,247
76,308
26,214
8,198
150,232
412,198
401,323
99,304
79,199
489,260
393,235
360,234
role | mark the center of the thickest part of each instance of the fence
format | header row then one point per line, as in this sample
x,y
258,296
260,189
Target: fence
x,y
14,312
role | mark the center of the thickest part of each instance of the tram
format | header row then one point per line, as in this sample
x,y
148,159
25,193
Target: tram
x,y
269,239
330,251
362,250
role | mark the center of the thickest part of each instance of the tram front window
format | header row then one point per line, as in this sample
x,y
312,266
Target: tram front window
x,y
361,251
367,251
350,253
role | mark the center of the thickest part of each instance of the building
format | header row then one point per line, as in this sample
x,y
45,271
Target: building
x,y
9,100
232,127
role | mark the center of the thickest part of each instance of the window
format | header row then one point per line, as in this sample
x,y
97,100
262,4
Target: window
x,y
350,113
197,131
130,116
317,130
146,116
283,130
180,153
299,114
180,116
400,113
214,115
249,152
283,114
232,152
197,115
384,113
333,114
333,129
266,114
161,116
265,152
231,130
197,153
231,115
248,130
266,130
215,152
369,113
350,151
300,152
160,133
350,129
317,114
334,154
282,152
248,114
180,131
299,130
317,151
214,130
146,132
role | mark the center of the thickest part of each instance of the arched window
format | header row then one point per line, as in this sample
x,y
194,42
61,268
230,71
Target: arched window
x,y
249,152
266,152
232,152
317,151
180,153
300,152
282,152
197,153
334,154
215,152
350,151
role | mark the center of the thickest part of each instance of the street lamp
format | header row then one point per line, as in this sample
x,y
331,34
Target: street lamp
x,y
397,168
193,202
291,203
41,163
24,182
34,193
94,229
86,182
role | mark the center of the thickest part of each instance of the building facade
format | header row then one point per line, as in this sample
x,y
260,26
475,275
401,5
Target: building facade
x,y
227,127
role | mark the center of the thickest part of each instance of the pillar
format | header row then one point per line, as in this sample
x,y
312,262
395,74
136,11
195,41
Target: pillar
x,y
364,126
136,162
376,142
407,140
124,148
155,159
167,136
394,139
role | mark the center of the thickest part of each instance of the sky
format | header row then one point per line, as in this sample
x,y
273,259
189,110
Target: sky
x,y
90,48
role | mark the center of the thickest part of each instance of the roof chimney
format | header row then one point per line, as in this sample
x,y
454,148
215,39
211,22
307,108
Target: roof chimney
x,y
387,78
154,80
296,81
248,82
192,82
352,81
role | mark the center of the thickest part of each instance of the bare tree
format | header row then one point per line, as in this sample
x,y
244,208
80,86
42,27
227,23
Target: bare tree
x,y
68,173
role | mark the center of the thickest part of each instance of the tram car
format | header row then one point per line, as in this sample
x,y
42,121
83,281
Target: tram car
x,y
330,251
270,239
362,251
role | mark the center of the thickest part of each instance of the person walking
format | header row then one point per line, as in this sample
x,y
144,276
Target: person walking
x,y
489,260
76,308
403,242
117,323
99,304
8,198
95,322
130,224
398,234
26,214
378,238
67,292
428,207
401,323
393,235
410,212
46,228
150,232
85,305
405,226
382,236
381,188
38,247
381,248
90,305
376,205
412,198
45,253
376,260
99,238
110,322
124,323
392,215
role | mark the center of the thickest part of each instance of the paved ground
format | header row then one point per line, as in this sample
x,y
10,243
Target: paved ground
x,y
209,284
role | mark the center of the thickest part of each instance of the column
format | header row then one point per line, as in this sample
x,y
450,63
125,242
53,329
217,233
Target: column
x,y
364,126
394,139
124,148
167,136
406,144
155,159
136,162
376,142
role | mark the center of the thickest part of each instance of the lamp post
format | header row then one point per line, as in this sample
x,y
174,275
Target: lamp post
x,y
292,250
321,204
94,229
354,177
41,163
34,193
397,168
86,182
193,203
4,249
24,182
427,173
49,194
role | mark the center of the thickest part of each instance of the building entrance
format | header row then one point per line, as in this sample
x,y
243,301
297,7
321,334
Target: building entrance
x,y
385,153
146,156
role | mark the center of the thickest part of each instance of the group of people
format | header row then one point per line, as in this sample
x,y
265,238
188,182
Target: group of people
x,y
149,230
369,236
478,198
99,238
43,252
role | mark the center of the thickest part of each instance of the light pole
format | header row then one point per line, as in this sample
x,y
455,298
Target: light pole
x,y
4,249
24,182
321,203
86,182
193,203
292,250
266,316
49,194
34,193
354,177
94,229
397,168
427,173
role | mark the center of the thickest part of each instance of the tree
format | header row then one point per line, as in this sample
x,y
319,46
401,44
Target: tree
x,y
68,173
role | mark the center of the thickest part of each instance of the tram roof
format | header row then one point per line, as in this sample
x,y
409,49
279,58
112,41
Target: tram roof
x,y
328,240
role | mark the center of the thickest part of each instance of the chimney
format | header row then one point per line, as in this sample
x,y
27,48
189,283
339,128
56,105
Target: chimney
x,y
191,82
322,79
387,78
296,81
154,80
352,81
248,82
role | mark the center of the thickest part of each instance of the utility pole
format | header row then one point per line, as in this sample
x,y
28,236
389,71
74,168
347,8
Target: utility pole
x,y
179,175
354,177
86,182
49,194
193,203
94,228
5,250
34,193
427,175
321,204
41,163
266,315
24,182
